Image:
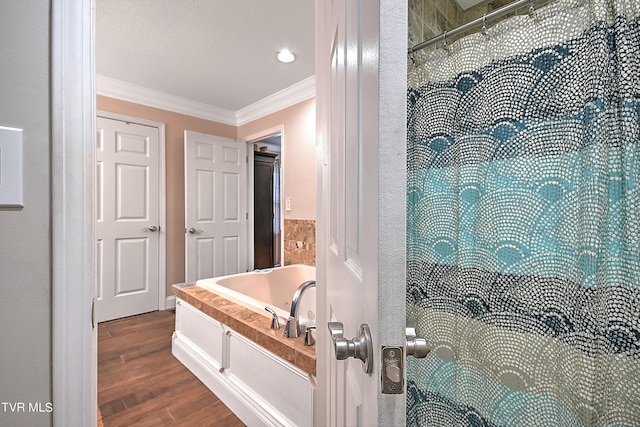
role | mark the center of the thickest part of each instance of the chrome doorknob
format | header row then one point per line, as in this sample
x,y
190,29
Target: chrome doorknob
x,y
151,228
194,231
416,347
360,347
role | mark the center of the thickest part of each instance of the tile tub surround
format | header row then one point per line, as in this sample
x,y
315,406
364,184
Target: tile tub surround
x,y
252,325
299,230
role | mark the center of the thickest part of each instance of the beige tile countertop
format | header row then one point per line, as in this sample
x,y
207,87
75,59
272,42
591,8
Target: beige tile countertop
x,y
252,325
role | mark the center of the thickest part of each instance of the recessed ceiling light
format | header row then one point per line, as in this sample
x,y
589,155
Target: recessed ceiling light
x,y
285,56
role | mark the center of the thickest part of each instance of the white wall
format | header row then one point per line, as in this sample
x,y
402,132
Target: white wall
x,y
25,279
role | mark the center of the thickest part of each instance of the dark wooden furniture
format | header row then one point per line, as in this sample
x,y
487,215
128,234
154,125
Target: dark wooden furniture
x,y
263,209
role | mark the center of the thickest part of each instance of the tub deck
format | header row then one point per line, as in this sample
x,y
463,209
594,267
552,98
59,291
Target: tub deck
x,y
252,325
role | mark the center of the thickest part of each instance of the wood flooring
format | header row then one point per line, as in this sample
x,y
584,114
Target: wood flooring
x,y
140,383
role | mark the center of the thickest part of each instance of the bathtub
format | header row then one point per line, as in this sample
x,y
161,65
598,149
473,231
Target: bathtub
x,y
262,387
272,287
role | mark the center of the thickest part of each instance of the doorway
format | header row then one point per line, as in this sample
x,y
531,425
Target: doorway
x,y
267,209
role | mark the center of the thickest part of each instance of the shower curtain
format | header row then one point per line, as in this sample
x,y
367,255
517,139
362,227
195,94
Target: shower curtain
x,y
523,222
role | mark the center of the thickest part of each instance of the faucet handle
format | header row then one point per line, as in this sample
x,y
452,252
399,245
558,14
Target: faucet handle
x,y
308,336
275,322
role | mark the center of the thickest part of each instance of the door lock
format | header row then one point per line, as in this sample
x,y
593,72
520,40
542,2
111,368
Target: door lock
x,y
360,347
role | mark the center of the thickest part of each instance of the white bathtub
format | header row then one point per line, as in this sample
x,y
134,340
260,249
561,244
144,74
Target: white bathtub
x,y
260,387
272,287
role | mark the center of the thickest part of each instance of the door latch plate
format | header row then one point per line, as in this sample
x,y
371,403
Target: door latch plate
x,y
392,370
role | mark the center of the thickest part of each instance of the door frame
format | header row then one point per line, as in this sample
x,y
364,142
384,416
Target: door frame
x,y
73,333
249,140
163,301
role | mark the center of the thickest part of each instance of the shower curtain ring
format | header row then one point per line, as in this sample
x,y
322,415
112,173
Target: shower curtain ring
x,y
484,24
531,9
412,56
444,42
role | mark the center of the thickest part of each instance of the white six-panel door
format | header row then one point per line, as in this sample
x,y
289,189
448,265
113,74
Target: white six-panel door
x,y
127,219
215,206
361,92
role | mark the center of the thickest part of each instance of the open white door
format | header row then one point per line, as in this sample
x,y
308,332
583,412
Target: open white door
x,y
361,112
127,219
215,206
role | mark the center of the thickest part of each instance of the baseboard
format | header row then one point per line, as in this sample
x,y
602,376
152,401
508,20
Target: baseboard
x,y
170,302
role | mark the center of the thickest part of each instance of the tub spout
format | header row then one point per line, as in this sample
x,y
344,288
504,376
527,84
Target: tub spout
x,y
292,330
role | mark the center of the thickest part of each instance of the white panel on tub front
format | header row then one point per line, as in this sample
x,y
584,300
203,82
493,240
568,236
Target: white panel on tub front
x,y
11,168
202,330
281,385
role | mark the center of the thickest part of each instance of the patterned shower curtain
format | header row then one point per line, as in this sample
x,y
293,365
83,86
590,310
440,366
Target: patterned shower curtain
x,y
523,240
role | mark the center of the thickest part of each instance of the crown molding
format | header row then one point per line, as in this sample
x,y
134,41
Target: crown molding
x,y
287,97
298,92
125,91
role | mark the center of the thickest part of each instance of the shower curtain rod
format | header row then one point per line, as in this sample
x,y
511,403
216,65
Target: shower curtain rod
x,y
476,22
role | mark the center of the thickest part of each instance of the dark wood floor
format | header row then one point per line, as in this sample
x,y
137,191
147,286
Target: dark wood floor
x,y
140,383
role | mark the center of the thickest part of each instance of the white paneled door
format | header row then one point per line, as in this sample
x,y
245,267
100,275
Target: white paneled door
x,y
360,96
127,219
215,206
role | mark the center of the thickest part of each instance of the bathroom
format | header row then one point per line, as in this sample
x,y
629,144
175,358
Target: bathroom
x,y
281,123
34,312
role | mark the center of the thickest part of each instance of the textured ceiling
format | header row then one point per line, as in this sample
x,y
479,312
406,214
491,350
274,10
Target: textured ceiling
x,y
217,52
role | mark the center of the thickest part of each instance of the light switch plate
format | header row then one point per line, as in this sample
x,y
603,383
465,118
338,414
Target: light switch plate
x,y
11,168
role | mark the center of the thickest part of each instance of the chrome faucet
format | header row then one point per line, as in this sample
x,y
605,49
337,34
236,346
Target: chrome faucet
x,y
293,330
275,323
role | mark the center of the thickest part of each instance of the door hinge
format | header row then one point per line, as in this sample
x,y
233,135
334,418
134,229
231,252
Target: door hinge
x,y
247,215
